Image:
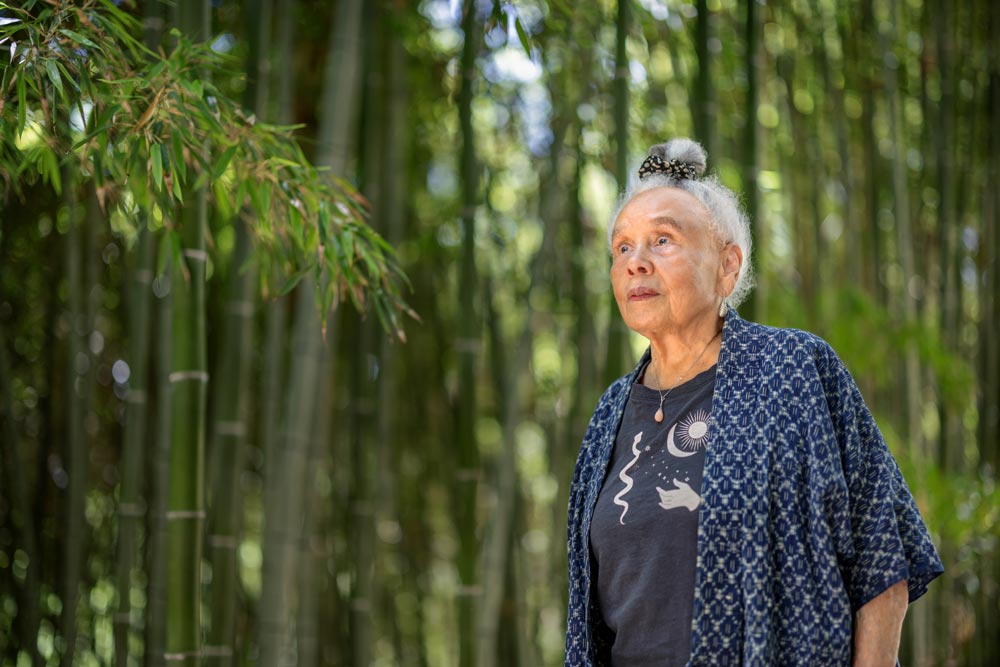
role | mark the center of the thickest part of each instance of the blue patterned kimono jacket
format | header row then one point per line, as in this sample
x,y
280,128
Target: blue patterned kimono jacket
x,y
805,516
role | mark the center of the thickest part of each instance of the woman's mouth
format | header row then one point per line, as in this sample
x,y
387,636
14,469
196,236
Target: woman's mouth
x,y
641,293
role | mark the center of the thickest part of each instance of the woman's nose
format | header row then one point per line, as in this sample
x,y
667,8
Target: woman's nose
x,y
639,262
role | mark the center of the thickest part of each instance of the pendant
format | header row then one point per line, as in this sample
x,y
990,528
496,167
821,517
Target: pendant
x,y
659,415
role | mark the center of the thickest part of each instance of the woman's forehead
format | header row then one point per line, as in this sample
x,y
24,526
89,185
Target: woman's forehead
x,y
664,207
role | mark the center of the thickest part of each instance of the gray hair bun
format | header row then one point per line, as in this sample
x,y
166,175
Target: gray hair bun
x,y
684,151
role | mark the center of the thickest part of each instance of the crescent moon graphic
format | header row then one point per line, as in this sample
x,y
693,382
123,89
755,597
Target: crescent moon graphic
x,y
672,447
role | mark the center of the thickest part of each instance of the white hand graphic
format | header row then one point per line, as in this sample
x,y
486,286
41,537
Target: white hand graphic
x,y
682,496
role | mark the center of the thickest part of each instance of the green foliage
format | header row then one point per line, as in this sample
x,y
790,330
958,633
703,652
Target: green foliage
x,y
88,97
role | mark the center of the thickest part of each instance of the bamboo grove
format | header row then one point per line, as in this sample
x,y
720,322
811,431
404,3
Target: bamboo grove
x,y
217,448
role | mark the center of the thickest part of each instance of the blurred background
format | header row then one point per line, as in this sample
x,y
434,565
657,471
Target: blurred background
x,y
206,462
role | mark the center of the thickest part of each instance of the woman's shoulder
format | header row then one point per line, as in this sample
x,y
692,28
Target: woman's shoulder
x,y
781,340
790,352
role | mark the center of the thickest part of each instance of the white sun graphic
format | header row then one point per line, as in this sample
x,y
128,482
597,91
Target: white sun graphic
x,y
692,431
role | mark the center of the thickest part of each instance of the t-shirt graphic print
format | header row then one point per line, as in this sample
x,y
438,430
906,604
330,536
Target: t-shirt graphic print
x,y
644,532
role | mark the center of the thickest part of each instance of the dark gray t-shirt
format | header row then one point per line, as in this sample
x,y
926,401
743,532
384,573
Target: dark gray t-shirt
x,y
644,533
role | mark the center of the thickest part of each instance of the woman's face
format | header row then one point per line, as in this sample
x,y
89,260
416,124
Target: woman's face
x,y
669,270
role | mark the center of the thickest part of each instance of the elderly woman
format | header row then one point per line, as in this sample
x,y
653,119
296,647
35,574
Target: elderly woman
x,y
733,502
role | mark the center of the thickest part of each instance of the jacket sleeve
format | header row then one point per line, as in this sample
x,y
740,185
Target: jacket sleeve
x,y
881,536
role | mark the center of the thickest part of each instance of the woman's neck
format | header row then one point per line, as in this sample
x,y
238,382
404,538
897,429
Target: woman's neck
x,y
679,355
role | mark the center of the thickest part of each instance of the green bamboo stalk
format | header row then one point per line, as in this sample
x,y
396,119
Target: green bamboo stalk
x,y
313,553
159,473
615,362
498,544
396,109
189,380
468,346
229,433
704,97
154,467
20,512
80,271
130,501
232,388
283,519
185,513
286,469
753,308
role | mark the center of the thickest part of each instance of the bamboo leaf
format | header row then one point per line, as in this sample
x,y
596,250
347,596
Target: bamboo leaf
x,y
163,255
54,76
523,36
178,189
156,158
51,166
22,103
178,163
81,39
223,162
293,280
222,201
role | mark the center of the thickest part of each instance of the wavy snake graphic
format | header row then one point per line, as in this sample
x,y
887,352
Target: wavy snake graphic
x,y
626,479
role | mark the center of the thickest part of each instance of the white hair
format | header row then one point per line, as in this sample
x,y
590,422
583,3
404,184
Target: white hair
x,y
727,219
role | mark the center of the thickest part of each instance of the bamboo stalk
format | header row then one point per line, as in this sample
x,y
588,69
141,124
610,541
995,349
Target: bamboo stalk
x,y
615,361
467,454
185,516
229,435
133,459
159,474
81,272
754,306
287,468
20,512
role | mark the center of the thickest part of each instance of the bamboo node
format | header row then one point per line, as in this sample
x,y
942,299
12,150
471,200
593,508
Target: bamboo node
x,y
131,509
216,651
468,345
241,308
361,604
223,541
137,396
181,656
174,515
196,254
178,376
234,428
469,591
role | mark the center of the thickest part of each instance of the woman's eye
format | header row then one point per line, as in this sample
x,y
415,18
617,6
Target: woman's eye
x,y
663,240
622,249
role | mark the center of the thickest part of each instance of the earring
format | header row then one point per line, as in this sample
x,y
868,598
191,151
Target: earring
x,y
723,308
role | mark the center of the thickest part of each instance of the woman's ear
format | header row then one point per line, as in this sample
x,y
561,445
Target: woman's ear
x,y
729,268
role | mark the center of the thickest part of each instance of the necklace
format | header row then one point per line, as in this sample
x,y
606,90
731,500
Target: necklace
x,y
663,395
